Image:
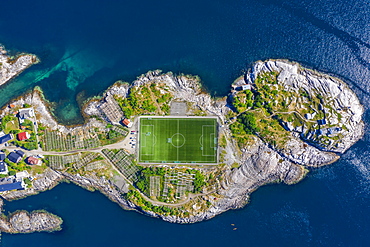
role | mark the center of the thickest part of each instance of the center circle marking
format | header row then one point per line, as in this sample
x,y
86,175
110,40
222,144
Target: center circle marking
x,y
178,140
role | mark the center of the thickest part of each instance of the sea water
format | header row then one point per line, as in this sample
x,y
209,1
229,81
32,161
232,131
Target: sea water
x,y
85,46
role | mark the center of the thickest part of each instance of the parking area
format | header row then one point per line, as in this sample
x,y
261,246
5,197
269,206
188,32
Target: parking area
x,y
178,108
130,142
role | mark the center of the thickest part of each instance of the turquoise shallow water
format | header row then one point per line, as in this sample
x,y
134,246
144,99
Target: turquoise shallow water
x,y
85,46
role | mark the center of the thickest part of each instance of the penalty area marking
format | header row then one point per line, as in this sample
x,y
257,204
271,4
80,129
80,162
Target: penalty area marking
x,y
145,134
210,139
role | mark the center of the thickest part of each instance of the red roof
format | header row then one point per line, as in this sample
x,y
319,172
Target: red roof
x,y
126,121
23,136
32,160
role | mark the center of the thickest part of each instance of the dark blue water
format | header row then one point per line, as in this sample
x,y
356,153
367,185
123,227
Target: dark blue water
x,y
84,46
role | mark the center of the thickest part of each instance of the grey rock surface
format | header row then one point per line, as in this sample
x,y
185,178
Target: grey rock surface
x,y
11,67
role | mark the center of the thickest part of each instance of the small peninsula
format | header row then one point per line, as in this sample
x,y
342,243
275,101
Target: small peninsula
x,y
164,147
11,66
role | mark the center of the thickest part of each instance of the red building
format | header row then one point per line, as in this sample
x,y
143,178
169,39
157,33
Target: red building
x,y
127,123
33,161
23,136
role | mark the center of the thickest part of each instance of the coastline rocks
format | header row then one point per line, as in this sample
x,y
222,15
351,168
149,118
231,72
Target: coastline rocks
x,y
301,153
43,114
36,221
340,106
93,182
9,68
259,164
45,181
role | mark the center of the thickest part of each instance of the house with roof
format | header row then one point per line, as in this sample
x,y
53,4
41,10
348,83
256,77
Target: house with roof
x,y
8,184
2,156
246,87
127,123
23,136
22,174
33,161
6,138
14,157
25,113
3,168
20,153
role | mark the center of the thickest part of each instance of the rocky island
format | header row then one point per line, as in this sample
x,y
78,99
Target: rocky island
x,y
278,122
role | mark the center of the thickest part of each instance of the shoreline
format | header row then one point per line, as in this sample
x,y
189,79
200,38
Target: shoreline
x,y
259,164
12,66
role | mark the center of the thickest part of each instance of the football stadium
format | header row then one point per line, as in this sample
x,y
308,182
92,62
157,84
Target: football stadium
x,y
178,140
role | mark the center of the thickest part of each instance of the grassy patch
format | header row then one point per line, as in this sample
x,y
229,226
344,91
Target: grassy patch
x,y
178,140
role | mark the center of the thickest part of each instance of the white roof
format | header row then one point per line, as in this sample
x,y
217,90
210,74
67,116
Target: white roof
x,y
22,174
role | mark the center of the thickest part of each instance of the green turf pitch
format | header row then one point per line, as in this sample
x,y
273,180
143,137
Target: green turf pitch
x,y
178,140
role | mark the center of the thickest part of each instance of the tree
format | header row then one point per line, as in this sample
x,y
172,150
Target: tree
x,y
199,182
249,122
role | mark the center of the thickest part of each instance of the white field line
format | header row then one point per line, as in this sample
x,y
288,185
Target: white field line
x,y
210,136
177,150
145,138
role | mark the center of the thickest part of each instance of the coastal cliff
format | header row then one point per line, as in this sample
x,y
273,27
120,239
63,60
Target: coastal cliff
x,y
305,119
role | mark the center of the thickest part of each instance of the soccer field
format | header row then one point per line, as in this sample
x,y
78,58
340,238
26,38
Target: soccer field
x,y
178,140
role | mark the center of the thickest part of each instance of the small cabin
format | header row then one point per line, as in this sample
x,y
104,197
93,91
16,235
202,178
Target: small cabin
x,y
127,123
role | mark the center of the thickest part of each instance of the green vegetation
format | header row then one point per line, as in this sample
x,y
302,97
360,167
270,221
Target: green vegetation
x,y
243,101
9,123
199,181
28,182
223,141
264,111
29,144
178,140
148,99
110,137
17,167
136,198
170,184
143,182
248,120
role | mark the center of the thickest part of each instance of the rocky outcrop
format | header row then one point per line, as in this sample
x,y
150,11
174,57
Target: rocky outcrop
x,y
92,182
11,67
187,88
45,181
301,153
36,221
259,163
340,106
43,114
